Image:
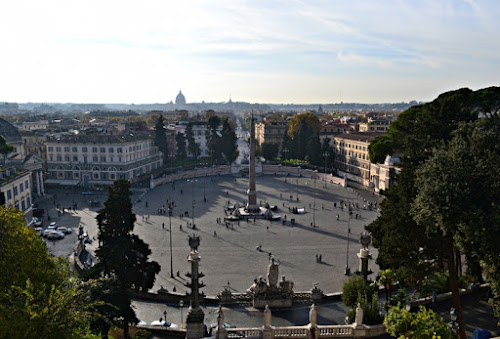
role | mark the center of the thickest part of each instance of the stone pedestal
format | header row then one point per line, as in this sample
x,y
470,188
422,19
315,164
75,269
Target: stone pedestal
x,y
194,323
364,255
316,294
272,301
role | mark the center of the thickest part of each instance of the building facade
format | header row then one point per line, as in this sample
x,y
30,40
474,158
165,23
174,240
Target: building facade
x,y
270,131
16,185
374,126
351,156
100,159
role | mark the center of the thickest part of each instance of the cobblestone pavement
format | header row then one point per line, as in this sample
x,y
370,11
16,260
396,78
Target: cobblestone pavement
x,y
229,254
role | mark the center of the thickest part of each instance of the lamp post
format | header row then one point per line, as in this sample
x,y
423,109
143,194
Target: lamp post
x,y
297,188
204,195
181,305
170,227
347,269
314,203
192,201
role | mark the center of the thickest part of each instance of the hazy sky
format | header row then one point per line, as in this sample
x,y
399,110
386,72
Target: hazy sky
x,y
256,51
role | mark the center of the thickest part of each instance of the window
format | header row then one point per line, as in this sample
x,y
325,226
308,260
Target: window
x,y
74,149
15,190
96,176
111,150
51,149
94,149
9,194
84,149
21,187
94,158
112,176
111,159
58,149
59,158
75,157
119,150
51,157
66,158
119,159
66,149
103,149
103,158
23,205
27,184
28,199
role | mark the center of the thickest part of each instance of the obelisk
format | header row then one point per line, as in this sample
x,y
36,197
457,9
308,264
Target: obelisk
x,y
252,193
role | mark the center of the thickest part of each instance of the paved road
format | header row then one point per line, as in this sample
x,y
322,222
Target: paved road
x,y
230,256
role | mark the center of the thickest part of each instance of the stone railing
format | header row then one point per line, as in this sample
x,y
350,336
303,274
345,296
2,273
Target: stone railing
x,y
235,169
193,173
335,331
297,171
311,330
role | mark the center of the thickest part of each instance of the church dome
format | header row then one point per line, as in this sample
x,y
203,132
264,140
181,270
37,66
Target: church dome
x,y
180,99
10,132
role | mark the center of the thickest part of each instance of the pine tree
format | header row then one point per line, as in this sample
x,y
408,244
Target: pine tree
x,y
193,147
229,147
122,256
161,138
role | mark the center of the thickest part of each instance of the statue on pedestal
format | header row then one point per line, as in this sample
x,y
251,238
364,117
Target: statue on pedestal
x,y
273,273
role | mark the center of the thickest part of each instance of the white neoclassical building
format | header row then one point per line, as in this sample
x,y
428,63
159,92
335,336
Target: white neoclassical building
x,y
95,159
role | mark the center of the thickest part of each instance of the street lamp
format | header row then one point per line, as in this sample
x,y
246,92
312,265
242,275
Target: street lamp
x,y
314,204
204,196
297,187
170,226
347,269
192,201
181,305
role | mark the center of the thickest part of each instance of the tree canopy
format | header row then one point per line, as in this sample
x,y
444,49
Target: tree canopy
x,y
39,298
430,200
192,147
123,256
303,130
161,138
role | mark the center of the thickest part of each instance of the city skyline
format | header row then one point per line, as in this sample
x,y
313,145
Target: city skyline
x,y
253,51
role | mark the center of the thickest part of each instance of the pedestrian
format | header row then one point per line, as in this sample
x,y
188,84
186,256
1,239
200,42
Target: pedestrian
x,y
320,257
338,217
163,225
215,233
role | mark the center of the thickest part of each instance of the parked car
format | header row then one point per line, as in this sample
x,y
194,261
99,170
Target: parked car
x,y
52,226
53,234
65,230
38,230
37,222
162,323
